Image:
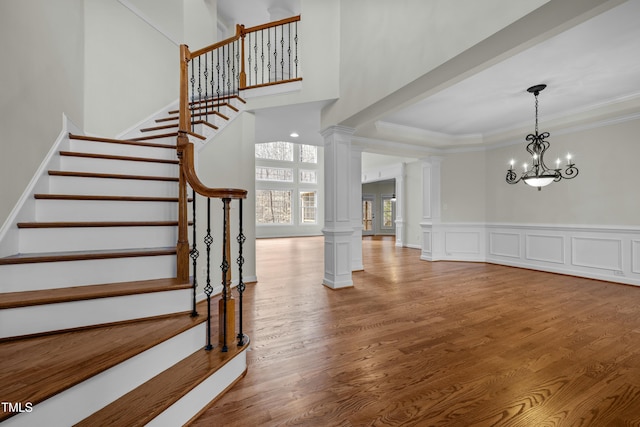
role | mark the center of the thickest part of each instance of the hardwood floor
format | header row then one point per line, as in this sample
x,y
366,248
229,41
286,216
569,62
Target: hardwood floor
x,y
415,343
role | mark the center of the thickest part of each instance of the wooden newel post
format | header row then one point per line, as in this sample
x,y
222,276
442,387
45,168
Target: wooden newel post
x,y
182,247
243,73
227,305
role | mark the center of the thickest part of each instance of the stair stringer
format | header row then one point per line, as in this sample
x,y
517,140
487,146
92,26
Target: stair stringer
x,y
25,208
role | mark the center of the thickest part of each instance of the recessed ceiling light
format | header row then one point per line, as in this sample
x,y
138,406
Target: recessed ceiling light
x,y
294,135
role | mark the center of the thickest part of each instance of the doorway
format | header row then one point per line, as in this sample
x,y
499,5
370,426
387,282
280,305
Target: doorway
x,y
368,217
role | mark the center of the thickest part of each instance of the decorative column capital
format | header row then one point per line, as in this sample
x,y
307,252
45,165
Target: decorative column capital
x,y
337,130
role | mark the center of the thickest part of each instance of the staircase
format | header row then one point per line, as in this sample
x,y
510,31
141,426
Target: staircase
x,y
95,328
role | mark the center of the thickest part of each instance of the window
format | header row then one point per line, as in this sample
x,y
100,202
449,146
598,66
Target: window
x,y
387,212
273,206
287,191
264,173
308,153
278,150
308,177
308,207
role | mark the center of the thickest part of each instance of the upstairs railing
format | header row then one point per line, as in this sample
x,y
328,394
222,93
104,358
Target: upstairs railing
x,y
253,57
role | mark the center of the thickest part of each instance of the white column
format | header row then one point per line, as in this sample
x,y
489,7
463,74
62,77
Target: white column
x,y
338,228
432,238
355,208
400,203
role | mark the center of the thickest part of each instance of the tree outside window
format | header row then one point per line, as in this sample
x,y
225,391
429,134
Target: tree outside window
x,y
273,206
278,150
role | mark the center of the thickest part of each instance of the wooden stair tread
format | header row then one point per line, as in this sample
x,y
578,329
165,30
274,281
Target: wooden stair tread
x,y
201,114
36,368
104,198
157,136
121,141
217,98
146,402
112,175
31,258
166,135
214,105
78,293
154,128
116,157
76,224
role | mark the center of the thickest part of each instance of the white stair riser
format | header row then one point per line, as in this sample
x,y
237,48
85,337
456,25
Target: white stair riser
x,y
112,186
48,275
95,147
105,210
189,405
84,164
21,321
78,402
69,239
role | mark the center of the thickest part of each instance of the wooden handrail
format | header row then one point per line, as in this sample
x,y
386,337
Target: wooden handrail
x,y
270,24
185,152
217,45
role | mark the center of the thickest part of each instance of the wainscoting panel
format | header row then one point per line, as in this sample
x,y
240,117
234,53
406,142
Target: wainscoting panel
x,y
540,247
503,244
635,256
604,254
465,244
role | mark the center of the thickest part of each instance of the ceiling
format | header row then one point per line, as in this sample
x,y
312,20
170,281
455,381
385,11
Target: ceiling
x,y
592,72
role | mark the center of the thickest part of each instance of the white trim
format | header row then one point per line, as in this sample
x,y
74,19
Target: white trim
x,y
24,209
609,253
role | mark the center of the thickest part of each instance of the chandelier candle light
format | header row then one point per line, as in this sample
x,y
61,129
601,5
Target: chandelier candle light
x,y
539,175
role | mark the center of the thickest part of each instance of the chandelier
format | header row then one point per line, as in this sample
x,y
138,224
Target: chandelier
x,y
539,174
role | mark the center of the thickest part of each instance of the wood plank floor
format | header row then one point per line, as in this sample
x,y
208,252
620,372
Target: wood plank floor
x,y
415,343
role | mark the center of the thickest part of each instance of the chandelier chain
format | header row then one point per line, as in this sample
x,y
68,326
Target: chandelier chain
x,y
536,95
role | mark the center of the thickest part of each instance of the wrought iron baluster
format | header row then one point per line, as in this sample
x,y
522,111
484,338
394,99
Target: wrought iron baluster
x,y
218,70
225,268
206,89
281,52
261,56
295,39
269,54
236,80
208,289
289,46
193,90
229,75
249,59
194,254
212,86
241,287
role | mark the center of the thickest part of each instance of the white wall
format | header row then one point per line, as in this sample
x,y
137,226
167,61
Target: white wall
x,y
131,69
604,193
463,187
382,43
41,77
228,162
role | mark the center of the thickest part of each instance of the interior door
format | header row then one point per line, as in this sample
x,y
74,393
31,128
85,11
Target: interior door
x,y
367,216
